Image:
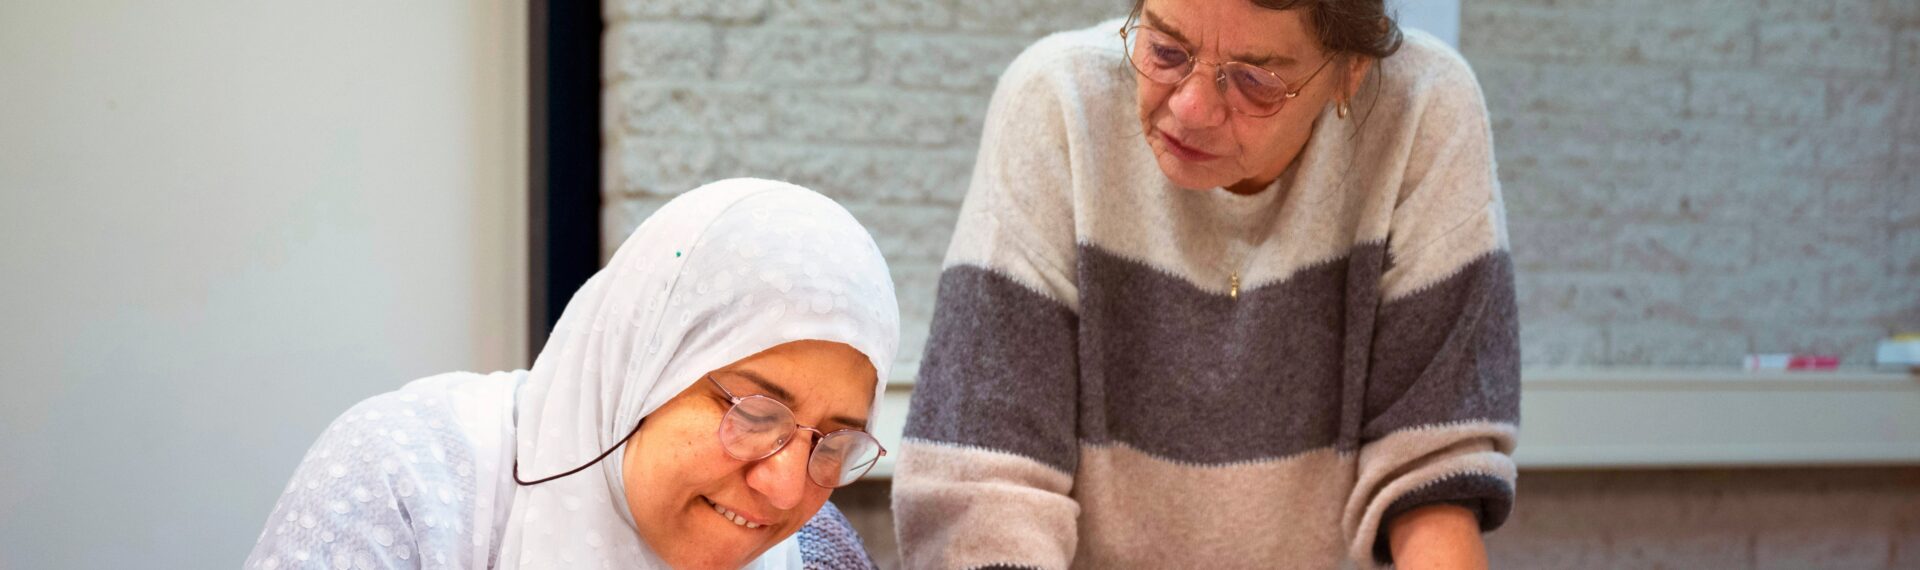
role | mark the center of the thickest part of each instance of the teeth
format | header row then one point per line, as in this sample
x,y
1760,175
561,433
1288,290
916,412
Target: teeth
x,y
730,515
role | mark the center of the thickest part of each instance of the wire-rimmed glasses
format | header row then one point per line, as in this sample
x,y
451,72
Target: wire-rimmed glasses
x,y
755,427
1250,89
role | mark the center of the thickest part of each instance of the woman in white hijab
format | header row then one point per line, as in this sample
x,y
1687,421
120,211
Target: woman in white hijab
x,y
748,323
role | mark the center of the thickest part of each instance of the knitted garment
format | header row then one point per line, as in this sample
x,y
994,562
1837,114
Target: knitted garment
x,y
1123,373
828,542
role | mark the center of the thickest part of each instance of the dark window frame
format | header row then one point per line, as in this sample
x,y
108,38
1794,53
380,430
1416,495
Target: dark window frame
x,y
563,229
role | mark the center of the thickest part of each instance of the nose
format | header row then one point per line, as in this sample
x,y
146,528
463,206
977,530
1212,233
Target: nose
x,y
782,477
1198,100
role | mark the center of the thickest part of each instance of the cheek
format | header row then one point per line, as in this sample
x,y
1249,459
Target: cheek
x,y
686,458
1152,98
816,498
1263,142
701,458
1256,141
664,483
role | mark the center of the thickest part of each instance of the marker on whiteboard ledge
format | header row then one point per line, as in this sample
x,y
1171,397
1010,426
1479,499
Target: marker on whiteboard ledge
x,y
1781,362
1899,351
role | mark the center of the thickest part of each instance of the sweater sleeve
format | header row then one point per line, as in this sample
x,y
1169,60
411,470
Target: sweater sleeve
x,y
829,542
1441,405
990,446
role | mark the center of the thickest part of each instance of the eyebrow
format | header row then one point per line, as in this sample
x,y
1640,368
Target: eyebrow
x,y
1154,21
786,398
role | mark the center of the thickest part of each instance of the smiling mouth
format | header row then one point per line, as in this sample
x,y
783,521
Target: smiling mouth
x,y
731,516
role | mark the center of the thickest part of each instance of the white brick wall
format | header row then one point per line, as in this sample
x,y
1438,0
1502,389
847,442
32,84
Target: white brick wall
x,y
1689,181
877,103
1699,179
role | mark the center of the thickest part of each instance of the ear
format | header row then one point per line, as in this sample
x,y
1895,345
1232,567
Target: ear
x,y
1357,68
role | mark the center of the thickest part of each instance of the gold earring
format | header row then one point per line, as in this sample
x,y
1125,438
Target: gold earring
x,y
1340,108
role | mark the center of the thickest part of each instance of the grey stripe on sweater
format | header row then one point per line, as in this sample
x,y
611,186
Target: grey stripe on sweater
x,y
1464,327
1198,377
997,373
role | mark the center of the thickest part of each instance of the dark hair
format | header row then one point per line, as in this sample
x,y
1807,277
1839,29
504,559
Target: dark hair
x,y
1360,27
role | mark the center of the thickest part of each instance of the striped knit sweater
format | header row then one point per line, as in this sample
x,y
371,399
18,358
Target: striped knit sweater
x,y
1094,393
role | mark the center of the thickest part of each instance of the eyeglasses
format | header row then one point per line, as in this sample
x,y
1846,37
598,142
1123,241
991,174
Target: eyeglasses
x,y
1251,90
756,427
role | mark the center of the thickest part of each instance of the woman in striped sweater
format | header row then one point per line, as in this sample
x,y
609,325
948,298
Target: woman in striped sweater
x,y
1230,288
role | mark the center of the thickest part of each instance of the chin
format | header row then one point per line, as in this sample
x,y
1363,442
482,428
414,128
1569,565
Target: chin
x,y
704,544
1188,175
710,559
1184,175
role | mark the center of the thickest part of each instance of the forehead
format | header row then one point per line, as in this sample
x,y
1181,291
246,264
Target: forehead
x,y
819,380
1236,29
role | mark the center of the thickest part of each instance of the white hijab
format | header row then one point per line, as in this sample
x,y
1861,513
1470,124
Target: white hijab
x,y
720,273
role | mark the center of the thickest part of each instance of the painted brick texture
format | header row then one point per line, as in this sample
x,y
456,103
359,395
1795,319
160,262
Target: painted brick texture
x,y
1690,181
876,103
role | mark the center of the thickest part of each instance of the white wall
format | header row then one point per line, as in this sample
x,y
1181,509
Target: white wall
x,y
223,223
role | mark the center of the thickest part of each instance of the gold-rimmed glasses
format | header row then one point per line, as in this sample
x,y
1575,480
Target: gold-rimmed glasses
x,y
755,427
1250,89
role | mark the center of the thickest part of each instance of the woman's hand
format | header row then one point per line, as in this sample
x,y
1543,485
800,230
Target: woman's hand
x,y
1437,537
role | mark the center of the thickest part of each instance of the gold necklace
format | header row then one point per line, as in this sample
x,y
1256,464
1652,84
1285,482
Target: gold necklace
x,y
1233,271
1248,250
1251,247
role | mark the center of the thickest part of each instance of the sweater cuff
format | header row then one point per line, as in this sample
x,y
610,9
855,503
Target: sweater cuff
x,y
1490,499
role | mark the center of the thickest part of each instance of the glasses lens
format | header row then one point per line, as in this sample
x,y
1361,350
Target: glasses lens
x,y
842,457
755,428
1158,56
1256,91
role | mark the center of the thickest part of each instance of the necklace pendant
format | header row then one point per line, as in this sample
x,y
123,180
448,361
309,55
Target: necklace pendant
x,y
1233,286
